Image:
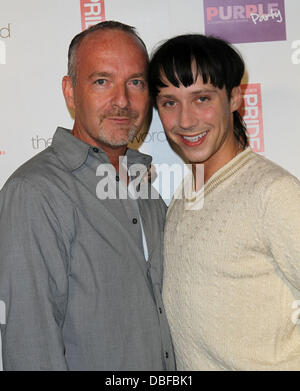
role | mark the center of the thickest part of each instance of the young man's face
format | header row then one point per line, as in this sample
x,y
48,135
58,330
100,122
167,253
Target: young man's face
x,y
199,120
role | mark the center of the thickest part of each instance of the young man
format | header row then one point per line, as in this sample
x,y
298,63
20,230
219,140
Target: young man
x,y
232,267
81,276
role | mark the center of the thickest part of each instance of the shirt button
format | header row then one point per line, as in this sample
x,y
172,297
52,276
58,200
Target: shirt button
x,y
167,355
117,178
160,310
134,221
96,150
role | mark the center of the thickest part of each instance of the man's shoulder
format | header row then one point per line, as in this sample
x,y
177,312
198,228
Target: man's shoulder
x,y
268,179
41,171
40,186
267,171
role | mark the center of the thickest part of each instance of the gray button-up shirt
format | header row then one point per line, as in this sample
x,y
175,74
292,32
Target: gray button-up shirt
x,y
79,294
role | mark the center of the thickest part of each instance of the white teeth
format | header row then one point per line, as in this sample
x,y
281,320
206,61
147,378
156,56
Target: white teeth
x,y
195,138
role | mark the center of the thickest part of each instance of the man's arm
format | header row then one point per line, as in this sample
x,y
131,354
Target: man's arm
x,y
282,226
33,280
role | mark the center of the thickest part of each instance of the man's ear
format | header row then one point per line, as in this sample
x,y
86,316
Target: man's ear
x,y
236,98
68,91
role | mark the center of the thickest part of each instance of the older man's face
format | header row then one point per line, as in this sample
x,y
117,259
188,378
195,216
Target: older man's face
x,y
110,97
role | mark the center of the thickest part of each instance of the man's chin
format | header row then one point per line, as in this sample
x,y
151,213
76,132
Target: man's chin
x,y
115,144
125,139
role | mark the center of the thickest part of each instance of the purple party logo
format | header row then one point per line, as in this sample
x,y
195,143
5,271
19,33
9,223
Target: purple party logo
x,y
240,21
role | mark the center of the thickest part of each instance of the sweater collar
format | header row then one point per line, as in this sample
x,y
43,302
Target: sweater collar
x,y
228,170
195,200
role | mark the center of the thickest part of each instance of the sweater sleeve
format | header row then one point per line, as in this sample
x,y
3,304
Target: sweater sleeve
x,y
33,280
281,226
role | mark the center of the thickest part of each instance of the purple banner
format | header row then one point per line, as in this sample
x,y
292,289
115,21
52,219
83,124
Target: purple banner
x,y
239,21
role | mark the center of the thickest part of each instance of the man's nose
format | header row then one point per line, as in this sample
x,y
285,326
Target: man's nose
x,y
120,97
187,118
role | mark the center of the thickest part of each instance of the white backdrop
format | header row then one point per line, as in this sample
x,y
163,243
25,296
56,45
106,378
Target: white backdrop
x,y
34,39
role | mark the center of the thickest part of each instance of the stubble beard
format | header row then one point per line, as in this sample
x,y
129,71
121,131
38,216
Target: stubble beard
x,y
133,131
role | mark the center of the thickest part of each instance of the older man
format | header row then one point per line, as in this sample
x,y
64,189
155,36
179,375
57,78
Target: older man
x,y
80,273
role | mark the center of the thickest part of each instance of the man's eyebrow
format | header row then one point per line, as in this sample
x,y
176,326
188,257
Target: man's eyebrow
x,y
168,96
137,75
205,91
99,74
107,74
197,92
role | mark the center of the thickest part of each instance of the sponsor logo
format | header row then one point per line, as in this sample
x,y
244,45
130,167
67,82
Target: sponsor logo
x,y
92,12
245,20
296,53
151,136
251,112
5,32
40,142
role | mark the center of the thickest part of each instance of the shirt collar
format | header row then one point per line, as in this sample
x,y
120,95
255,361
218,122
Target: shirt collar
x,y
73,152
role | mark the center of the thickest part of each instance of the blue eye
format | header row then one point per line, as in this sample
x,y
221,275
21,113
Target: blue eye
x,y
169,103
101,82
203,98
138,83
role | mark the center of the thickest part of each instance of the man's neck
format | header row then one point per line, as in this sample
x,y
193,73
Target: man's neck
x,y
216,162
113,153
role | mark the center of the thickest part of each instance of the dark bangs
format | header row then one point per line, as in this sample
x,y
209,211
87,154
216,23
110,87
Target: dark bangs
x,y
182,59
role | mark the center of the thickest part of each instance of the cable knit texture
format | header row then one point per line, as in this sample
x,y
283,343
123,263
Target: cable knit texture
x,y
232,270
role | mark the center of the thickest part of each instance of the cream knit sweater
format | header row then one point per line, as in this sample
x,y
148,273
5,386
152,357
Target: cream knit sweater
x,y
232,270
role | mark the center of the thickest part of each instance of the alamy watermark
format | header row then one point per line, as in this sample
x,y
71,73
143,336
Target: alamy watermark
x,y
2,312
5,32
296,53
296,314
2,53
177,180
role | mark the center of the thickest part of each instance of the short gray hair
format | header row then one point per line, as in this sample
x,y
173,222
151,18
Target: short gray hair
x,y
107,25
